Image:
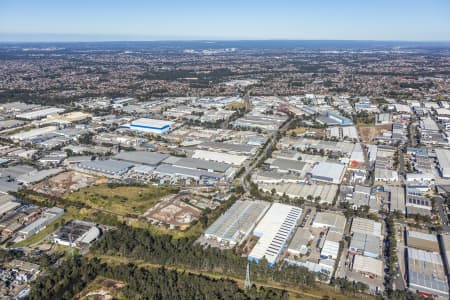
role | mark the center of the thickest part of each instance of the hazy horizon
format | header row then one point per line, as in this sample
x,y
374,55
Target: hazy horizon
x,y
382,20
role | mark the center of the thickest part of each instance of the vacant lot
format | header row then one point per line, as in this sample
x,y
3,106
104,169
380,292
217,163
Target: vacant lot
x,y
65,183
299,131
121,200
368,133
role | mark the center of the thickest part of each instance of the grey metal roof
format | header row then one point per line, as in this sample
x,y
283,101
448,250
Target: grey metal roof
x,y
195,163
168,170
110,166
240,148
142,157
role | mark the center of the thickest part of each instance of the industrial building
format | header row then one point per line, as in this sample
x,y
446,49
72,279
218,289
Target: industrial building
x,y
325,193
227,158
423,241
40,113
368,265
33,133
150,125
142,157
48,216
300,241
443,158
426,273
236,224
365,244
273,231
329,220
328,172
77,234
110,167
166,170
366,226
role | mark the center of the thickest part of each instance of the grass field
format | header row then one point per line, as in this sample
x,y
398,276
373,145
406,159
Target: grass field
x,y
122,200
302,130
236,106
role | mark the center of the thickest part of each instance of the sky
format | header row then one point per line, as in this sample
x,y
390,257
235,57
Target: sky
x,y
112,20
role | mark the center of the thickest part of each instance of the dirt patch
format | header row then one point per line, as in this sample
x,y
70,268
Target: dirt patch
x,y
65,183
368,133
101,289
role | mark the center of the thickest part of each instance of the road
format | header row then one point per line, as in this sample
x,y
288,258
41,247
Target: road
x,y
262,154
439,202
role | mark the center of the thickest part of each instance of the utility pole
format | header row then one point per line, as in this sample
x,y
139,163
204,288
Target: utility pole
x,y
247,277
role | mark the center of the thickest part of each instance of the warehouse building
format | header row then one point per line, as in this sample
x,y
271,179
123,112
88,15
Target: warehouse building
x,y
286,165
423,241
445,243
48,216
273,231
426,273
443,158
366,226
7,203
328,172
365,244
329,220
368,265
150,126
39,114
200,164
142,157
325,193
232,148
110,167
165,170
231,159
300,241
77,234
33,133
236,224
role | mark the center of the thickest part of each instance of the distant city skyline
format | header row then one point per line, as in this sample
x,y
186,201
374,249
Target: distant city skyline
x,y
49,20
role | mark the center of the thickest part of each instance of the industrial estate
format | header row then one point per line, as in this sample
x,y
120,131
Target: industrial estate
x,y
332,187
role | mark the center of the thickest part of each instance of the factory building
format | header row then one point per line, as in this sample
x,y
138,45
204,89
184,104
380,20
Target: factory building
x,y
365,244
236,224
77,233
426,273
329,220
40,113
443,158
110,167
328,172
366,226
423,241
48,216
152,126
273,231
227,158
368,265
142,157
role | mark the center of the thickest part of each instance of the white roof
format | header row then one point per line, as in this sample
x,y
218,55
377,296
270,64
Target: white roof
x,y
367,264
443,156
33,132
328,170
327,219
330,249
151,122
366,226
274,230
40,113
220,157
